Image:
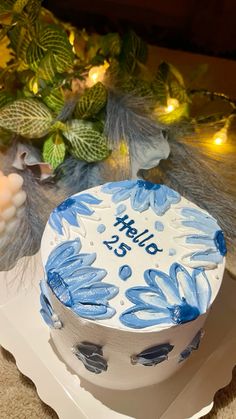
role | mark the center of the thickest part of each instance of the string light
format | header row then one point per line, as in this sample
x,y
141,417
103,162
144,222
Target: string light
x,y
172,104
97,74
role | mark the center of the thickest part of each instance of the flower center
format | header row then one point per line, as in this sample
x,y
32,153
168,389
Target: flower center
x,y
66,204
147,185
183,313
220,242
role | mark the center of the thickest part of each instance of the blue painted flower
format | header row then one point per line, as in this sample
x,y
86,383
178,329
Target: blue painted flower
x,y
168,299
143,194
152,356
77,284
70,209
46,310
193,346
92,357
203,236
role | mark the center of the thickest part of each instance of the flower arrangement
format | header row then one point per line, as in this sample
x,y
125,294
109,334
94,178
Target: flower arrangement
x,y
55,86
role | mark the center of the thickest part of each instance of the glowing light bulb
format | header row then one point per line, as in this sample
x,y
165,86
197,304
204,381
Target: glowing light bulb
x,y
172,104
220,137
97,74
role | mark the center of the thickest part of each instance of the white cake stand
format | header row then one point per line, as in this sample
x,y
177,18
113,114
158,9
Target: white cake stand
x,y
188,394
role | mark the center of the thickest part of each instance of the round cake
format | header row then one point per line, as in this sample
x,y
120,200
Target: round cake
x,y
131,271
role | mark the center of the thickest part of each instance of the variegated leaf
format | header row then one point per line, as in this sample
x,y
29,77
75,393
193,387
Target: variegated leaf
x,y
91,102
27,117
134,49
85,142
47,68
19,5
5,98
54,150
55,40
54,99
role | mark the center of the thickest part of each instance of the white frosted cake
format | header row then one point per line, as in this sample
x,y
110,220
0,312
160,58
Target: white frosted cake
x,y
131,271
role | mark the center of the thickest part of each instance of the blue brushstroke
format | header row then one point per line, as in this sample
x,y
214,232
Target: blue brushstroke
x,y
168,299
159,226
101,228
77,284
142,195
193,346
46,311
92,357
120,209
153,356
125,272
172,252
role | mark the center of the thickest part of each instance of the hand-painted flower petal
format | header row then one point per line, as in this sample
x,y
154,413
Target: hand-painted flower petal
x,y
45,304
203,289
140,199
158,201
164,284
83,209
74,263
84,277
208,259
59,288
148,296
98,293
121,195
199,220
44,289
55,222
187,286
173,196
62,252
71,217
196,239
113,187
88,198
47,317
139,317
93,311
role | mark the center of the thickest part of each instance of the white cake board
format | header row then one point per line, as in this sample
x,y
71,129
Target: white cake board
x,y
188,394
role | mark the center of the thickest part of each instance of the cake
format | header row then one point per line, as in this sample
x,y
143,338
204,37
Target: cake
x,y
131,272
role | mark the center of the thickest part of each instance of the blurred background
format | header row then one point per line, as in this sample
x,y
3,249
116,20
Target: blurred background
x,y
202,26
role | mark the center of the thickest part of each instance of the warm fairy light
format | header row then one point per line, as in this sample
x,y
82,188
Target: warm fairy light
x,y
220,137
72,37
172,104
97,74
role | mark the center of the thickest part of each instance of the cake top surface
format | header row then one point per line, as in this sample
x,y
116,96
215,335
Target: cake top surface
x,y
133,255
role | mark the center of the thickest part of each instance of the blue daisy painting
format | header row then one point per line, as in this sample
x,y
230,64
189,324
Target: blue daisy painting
x,y
168,299
71,210
203,237
77,284
142,195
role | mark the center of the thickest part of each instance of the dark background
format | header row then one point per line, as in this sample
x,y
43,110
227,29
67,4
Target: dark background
x,y
203,26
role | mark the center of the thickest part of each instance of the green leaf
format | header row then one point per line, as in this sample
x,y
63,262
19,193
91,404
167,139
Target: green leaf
x,y
134,49
91,102
54,150
111,45
47,68
55,40
27,117
86,143
19,5
5,98
54,99
34,55
160,84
